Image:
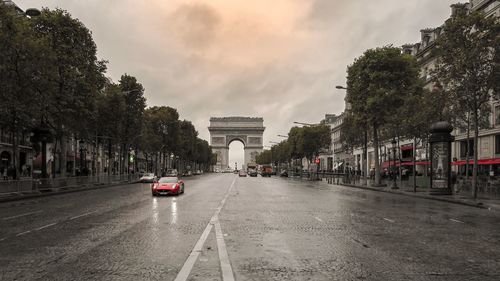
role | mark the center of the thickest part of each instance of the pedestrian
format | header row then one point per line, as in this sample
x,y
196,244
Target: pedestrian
x,y
4,173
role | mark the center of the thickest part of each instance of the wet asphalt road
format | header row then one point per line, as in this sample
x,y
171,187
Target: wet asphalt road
x,y
267,229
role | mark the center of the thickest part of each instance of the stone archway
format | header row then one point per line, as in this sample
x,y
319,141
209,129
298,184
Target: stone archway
x,y
247,130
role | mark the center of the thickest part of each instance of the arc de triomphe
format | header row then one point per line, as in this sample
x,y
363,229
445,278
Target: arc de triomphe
x,y
224,130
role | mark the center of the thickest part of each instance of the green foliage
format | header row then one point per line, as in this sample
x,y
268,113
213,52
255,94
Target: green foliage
x,y
381,85
75,75
467,69
50,74
302,142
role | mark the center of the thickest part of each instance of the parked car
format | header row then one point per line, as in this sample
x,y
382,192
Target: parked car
x,y
252,173
147,177
284,173
242,173
167,186
172,173
187,174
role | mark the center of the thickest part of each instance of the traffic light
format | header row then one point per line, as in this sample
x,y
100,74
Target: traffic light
x,y
131,158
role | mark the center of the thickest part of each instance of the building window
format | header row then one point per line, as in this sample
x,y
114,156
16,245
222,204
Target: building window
x,y
497,114
497,144
463,148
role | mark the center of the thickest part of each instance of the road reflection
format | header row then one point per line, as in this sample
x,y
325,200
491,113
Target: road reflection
x,y
155,211
173,209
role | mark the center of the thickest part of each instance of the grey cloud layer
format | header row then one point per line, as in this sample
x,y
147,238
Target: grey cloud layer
x,y
195,56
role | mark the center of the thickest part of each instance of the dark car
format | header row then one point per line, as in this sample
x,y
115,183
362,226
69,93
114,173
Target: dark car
x,y
167,186
284,173
253,173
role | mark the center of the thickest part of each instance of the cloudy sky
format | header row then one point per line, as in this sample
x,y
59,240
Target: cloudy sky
x,y
278,59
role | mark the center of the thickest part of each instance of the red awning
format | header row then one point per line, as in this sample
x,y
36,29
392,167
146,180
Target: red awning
x,y
407,147
386,164
491,161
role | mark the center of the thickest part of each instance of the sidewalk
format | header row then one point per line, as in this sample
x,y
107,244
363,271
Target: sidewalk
x,y
462,199
58,186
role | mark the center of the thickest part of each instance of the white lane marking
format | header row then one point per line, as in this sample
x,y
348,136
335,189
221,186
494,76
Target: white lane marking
x,y
193,256
45,226
22,233
3,239
389,220
82,215
453,220
227,271
318,219
21,215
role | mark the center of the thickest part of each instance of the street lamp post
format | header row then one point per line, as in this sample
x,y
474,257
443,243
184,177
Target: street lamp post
x,y
305,124
394,185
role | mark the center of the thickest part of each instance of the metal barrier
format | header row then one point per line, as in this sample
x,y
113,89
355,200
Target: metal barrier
x,y
49,184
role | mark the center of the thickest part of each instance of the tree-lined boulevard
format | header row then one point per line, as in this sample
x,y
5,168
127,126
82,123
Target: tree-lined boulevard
x,y
73,144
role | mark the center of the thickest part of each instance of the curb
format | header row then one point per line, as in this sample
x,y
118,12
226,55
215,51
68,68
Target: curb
x,y
476,204
61,191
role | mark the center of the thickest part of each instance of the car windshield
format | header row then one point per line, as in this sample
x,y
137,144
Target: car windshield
x,y
168,180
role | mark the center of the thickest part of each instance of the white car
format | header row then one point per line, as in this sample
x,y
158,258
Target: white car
x,y
148,177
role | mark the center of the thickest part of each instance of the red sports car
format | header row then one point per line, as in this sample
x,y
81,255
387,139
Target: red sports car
x,y
167,186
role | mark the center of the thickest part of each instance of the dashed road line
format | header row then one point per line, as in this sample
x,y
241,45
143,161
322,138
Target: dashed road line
x,y
45,226
454,220
82,215
1,239
21,215
318,219
227,271
389,220
22,233
183,274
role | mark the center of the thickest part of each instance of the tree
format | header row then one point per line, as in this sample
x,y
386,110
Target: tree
x,y
378,84
135,105
316,138
22,60
73,80
468,61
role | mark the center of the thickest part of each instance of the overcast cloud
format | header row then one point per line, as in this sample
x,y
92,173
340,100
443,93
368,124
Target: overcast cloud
x,y
278,59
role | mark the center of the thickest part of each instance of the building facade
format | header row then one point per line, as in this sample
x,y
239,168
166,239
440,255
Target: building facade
x,y
489,140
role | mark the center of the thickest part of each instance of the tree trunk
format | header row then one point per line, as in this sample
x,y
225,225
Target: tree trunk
x,y
156,163
399,167
364,158
15,146
476,153
375,145
109,157
63,161
75,151
120,160
53,164
467,150
414,165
